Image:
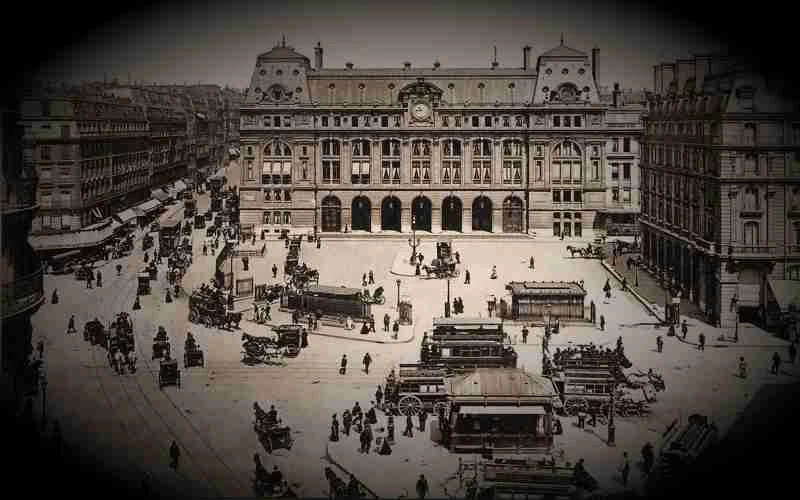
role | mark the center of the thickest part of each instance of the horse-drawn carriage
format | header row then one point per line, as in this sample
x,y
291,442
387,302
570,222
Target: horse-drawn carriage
x,y
260,349
161,347
84,272
377,297
271,434
588,252
415,387
192,354
442,268
121,344
95,333
144,283
199,222
207,307
289,339
623,247
303,276
169,373
268,293
147,242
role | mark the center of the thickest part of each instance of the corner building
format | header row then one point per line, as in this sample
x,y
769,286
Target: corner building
x,y
499,150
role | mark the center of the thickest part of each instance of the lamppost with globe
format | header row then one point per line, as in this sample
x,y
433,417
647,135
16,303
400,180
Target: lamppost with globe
x,y
413,242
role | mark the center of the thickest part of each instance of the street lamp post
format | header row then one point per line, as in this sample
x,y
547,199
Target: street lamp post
x,y
636,273
612,430
413,242
398,294
447,304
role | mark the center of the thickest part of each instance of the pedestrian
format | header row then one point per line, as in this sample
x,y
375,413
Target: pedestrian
x,y
71,324
792,352
593,312
343,365
319,242
136,304
458,257
659,343
524,334
466,277
395,329
390,428
174,455
671,331
364,280
89,279
531,263
378,395
701,342
625,468
776,363
371,278
367,360
684,329
386,321
581,420
409,432
334,429
372,322
607,289
99,279
423,417
347,421
422,487
602,323
742,368
494,273
274,270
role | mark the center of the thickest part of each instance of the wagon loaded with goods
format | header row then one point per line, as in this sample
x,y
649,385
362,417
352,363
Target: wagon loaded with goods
x,y
207,307
257,350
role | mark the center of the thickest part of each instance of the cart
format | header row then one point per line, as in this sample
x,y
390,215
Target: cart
x,y
416,387
193,357
169,374
144,284
289,339
273,436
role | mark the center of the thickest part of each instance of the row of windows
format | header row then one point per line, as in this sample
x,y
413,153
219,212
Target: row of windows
x,y
277,218
566,196
626,171
567,121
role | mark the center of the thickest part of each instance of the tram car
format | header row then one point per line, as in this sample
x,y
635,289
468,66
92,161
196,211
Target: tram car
x,y
417,386
168,236
199,222
329,301
509,478
143,279
464,344
169,373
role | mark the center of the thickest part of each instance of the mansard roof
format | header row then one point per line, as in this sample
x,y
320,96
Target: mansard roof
x,y
281,53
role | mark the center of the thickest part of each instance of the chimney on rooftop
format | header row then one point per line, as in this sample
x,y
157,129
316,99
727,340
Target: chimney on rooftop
x,y
349,65
526,57
318,56
596,63
407,65
615,95
436,64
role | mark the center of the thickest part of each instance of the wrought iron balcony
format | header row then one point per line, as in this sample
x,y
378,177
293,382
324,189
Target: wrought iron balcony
x,y
22,294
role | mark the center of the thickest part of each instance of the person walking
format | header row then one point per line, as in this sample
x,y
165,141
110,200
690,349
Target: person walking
x,y
174,455
371,278
364,280
378,396
701,342
602,323
423,417
343,365
524,334
386,321
466,277
422,487
458,257
776,363
99,280
792,352
593,312
684,329
625,468
531,263
334,429
274,270
71,324
742,368
659,343
347,421
395,329
367,361
607,289
409,432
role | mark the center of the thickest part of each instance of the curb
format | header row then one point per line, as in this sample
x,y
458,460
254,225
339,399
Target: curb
x,y
335,462
633,292
333,335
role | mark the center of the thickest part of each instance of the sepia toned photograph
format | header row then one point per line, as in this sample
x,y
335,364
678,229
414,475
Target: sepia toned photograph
x,y
506,250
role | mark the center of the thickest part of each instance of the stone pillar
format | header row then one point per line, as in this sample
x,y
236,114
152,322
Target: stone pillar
x,y
375,214
405,162
436,219
497,162
375,162
466,220
405,218
346,165
497,219
347,218
466,165
436,162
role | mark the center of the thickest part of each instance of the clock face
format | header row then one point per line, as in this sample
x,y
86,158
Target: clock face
x,y
420,111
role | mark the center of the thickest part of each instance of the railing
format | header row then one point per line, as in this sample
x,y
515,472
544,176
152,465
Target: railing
x,y
22,294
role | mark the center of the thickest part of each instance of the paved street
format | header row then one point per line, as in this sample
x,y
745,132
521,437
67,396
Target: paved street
x,y
129,422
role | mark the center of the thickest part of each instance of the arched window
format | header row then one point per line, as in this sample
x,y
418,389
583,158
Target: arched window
x,y
331,214
277,164
451,161
566,164
512,215
390,161
360,161
512,162
481,161
331,162
420,162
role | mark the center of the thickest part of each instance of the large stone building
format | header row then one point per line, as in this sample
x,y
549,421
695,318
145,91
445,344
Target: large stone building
x,y
20,268
505,150
721,186
102,147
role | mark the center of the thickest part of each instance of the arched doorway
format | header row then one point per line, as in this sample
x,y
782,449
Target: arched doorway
x,y
391,208
361,209
421,213
482,214
512,215
451,214
331,214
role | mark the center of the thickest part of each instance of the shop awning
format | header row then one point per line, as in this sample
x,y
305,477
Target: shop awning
x,y
180,186
786,293
160,195
147,207
126,215
502,410
88,237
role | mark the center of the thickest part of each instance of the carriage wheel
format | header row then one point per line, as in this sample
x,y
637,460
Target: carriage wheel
x,y
409,405
573,406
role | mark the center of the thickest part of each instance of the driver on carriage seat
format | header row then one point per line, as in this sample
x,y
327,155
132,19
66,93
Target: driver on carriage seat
x,y
190,343
272,415
276,476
